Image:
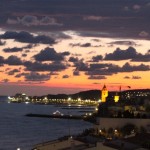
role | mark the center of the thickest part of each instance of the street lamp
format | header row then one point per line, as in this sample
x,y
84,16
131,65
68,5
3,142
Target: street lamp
x,y
69,98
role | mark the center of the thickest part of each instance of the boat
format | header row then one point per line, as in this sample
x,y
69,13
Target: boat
x,y
57,113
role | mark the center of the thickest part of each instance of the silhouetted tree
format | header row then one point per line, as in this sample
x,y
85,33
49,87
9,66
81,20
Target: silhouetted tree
x,y
138,115
126,114
119,115
144,116
110,132
103,110
142,129
128,128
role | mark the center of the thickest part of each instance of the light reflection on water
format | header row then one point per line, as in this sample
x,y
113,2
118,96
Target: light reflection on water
x,y
17,130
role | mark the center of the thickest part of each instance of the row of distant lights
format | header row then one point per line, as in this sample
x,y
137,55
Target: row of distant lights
x,y
69,99
116,131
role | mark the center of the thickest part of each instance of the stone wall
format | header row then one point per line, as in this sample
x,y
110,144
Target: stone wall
x,y
120,122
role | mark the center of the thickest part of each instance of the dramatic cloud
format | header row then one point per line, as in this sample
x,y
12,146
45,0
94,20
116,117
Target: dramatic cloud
x,y
92,52
73,59
49,21
136,7
65,76
76,73
12,72
34,21
83,45
144,34
133,77
80,65
129,53
26,37
142,58
19,75
80,45
36,66
24,55
2,60
96,40
49,54
119,54
13,61
128,43
97,58
94,18
2,43
5,80
136,77
97,77
11,50
127,19
128,68
101,69
35,76
126,77
59,35
29,46
110,69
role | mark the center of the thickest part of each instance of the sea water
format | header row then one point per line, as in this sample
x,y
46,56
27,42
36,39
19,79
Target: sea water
x,y
19,131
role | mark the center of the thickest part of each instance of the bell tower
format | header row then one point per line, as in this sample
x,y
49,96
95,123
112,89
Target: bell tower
x,y
104,93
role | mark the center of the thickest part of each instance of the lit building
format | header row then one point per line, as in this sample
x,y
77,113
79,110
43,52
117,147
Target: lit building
x,y
104,94
134,94
19,97
116,97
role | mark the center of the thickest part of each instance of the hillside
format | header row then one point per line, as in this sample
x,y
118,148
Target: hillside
x,y
91,94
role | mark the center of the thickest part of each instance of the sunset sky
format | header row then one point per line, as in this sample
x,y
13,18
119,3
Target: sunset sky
x,y
67,46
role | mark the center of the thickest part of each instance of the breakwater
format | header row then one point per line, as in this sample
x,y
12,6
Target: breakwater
x,y
55,116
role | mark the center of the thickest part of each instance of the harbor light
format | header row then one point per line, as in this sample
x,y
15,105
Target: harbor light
x,y
9,97
96,109
69,99
79,99
99,100
90,114
45,98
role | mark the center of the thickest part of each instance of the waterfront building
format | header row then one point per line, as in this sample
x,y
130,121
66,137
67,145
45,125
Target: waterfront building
x,y
104,93
18,98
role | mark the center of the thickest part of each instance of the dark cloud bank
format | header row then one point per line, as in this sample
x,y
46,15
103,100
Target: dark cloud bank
x,y
101,18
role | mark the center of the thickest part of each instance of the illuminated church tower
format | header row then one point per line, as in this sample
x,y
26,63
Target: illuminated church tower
x,y
104,94
116,98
